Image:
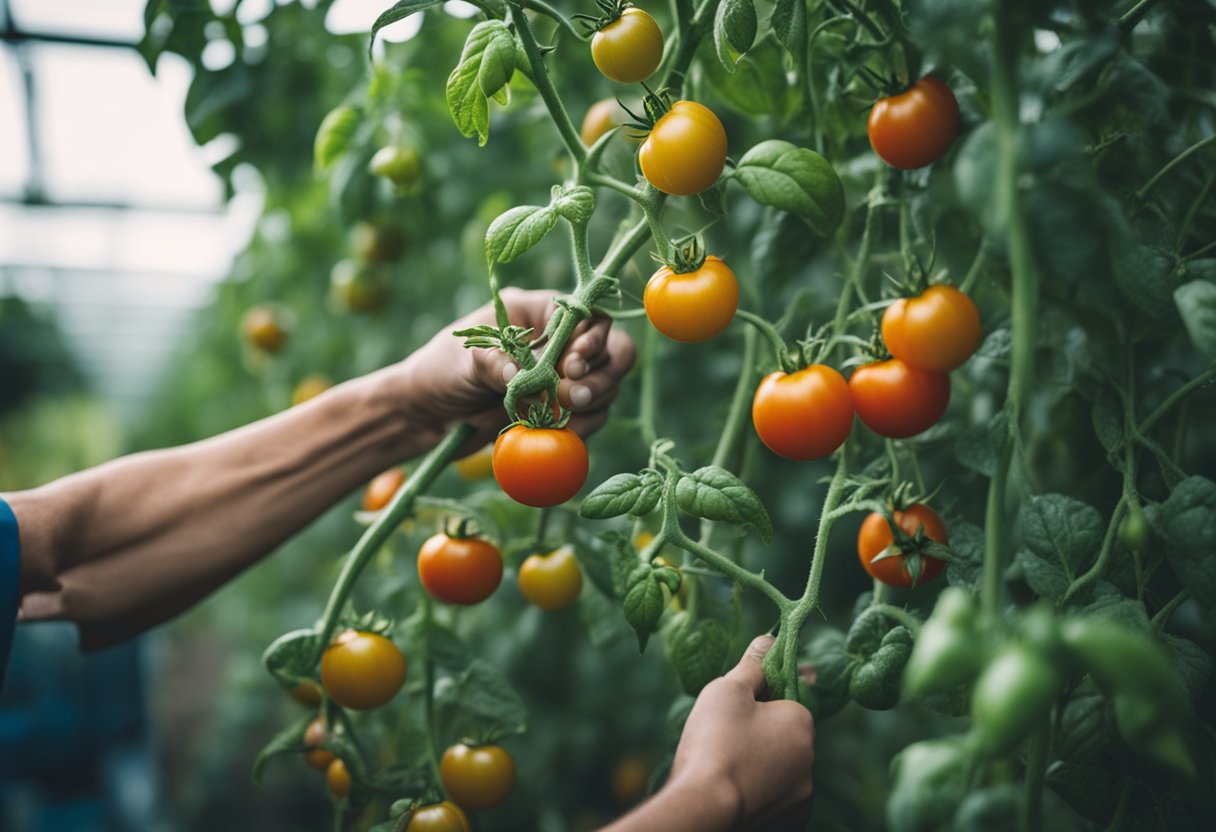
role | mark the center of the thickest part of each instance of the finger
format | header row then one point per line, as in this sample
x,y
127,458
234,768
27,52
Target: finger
x,y
587,424
598,387
493,369
585,348
749,671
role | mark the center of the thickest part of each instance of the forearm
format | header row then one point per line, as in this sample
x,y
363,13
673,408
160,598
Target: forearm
x,y
126,545
684,807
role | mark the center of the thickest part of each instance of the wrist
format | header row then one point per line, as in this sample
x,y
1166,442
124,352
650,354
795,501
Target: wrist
x,y
717,795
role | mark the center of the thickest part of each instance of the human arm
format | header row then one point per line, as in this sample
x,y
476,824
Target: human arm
x,y
742,763
124,546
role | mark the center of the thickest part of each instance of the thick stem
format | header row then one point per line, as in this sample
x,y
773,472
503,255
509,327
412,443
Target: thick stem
x,y
1036,776
579,239
648,406
994,522
544,84
386,523
624,248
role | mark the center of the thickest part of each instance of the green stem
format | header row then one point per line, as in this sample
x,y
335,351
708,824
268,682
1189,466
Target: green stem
x,y
1177,396
544,84
860,15
810,595
1108,544
897,614
547,10
1036,776
736,417
579,237
770,332
603,180
624,248
994,521
1163,614
857,273
647,407
1173,163
977,267
732,570
386,523
652,204
1135,14
691,30
1199,252
1200,200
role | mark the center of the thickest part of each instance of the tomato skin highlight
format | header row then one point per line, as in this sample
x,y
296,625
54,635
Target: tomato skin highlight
x,y
628,50
804,415
896,400
937,330
685,151
439,817
916,127
552,581
361,670
875,535
540,467
478,777
459,570
337,778
381,490
692,306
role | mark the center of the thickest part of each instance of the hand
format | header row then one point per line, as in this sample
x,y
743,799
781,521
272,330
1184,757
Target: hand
x,y
445,384
758,752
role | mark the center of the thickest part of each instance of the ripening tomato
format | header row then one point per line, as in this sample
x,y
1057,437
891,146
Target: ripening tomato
x,y
477,778
361,670
439,817
628,50
264,328
459,570
685,151
381,490
803,415
692,306
338,779
540,466
896,400
315,734
477,465
551,581
358,287
310,387
601,117
937,330
397,163
875,536
916,127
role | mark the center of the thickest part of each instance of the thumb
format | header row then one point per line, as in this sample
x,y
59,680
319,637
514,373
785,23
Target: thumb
x,y
750,671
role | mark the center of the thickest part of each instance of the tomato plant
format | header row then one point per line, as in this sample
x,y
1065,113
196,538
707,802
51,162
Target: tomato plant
x,y
628,49
895,567
915,127
685,151
361,670
804,415
898,400
477,777
459,570
552,581
540,466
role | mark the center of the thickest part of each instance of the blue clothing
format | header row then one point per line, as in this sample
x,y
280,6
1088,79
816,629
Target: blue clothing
x,y
10,558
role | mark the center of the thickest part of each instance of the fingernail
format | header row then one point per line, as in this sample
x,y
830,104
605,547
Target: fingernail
x,y
508,372
761,644
576,367
580,395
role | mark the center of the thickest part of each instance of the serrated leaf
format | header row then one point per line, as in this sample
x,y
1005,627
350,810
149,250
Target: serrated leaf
x,y
479,704
714,493
796,180
734,30
1197,304
334,135
288,741
514,232
466,100
575,204
615,496
644,604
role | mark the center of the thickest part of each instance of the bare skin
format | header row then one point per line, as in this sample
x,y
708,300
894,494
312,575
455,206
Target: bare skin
x,y
742,762
129,544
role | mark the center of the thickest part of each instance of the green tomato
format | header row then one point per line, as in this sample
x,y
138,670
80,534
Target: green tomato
x,y
399,164
1014,692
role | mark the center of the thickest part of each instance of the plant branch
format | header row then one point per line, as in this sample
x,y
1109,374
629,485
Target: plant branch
x,y
544,84
1173,163
1177,396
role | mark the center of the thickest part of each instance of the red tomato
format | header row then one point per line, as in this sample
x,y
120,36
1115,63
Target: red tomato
x,y
803,415
477,778
896,400
685,151
540,466
361,670
692,306
875,536
937,330
459,570
381,490
916,127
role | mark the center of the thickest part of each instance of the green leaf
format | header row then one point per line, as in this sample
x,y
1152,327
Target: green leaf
x,y
644,603
1192,662
575,204
497,62
514,232
399,11
1108,420
994,809
1187,520
759,85
714,493
1197,304
1087,790
789,23
796,180
624,562
334,135
734,30
292,656
466,100
697,650
479,704
967,565
622,494
1062,531
833,668
288,741
601,617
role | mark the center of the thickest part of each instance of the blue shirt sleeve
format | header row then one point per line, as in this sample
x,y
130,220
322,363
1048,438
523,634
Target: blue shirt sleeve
x,y
10,558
